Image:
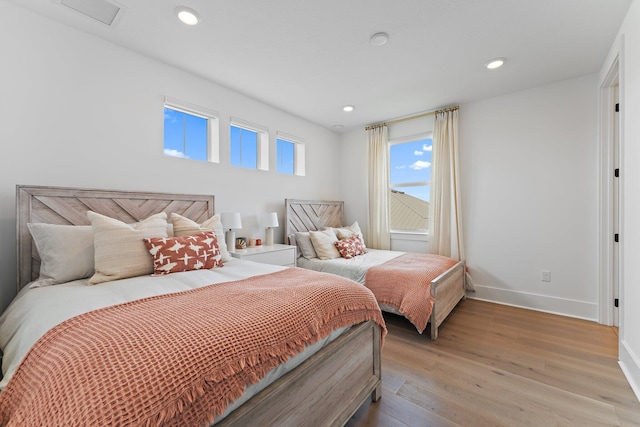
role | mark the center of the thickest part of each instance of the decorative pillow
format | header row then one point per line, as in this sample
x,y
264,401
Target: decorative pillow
x,y
66,252
347,231
323,243
185,227
120,251
303,239
353,246
194,252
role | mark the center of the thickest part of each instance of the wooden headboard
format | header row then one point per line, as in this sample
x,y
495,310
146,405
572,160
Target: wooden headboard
x,y
69,206
305,215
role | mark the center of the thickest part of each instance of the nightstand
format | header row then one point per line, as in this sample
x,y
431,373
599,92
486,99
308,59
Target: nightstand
x,y
274,254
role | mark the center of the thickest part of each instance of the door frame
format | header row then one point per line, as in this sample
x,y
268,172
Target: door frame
x,y
609,90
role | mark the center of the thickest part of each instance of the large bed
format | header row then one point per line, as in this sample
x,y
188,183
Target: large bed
x,y
321,377
446,289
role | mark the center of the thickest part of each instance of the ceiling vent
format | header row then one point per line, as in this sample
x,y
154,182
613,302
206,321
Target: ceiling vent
x,y
107,12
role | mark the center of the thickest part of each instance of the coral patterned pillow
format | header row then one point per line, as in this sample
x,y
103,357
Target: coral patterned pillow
x,y
174,254
353,246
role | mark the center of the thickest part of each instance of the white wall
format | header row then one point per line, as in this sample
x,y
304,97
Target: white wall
x,y
529,176
528,164
80,112
627,45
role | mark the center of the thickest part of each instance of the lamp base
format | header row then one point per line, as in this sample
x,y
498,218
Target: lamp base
x,y
230,237
268,236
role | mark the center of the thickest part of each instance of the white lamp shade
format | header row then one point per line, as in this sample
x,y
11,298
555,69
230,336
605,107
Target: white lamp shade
x,y
231,220
270,219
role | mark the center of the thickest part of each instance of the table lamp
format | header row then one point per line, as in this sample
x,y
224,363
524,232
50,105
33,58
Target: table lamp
x,y
231,221
269,220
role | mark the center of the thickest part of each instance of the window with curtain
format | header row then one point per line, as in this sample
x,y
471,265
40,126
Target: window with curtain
x,y
409,182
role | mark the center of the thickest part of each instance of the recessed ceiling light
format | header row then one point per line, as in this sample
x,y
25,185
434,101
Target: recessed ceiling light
x,y
495,63
187,15
348,108
378,39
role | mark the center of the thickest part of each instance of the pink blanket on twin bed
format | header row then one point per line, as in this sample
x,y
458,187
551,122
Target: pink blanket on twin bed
x,y
179,359
405,284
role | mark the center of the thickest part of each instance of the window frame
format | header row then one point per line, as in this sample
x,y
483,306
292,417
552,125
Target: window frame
x,y
213,126
299,159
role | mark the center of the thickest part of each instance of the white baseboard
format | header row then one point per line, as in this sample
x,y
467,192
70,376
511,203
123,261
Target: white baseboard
x,y
562,306
630,365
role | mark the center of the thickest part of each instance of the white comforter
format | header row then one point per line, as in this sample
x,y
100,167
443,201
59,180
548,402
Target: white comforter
x,y
354,268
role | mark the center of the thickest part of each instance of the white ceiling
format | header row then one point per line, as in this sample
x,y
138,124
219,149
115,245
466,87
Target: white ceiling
x,y
312,57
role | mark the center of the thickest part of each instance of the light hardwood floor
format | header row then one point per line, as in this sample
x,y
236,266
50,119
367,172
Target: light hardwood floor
x,y
495,365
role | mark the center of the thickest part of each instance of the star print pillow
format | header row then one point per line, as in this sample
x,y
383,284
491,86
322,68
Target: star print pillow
x,y
173,254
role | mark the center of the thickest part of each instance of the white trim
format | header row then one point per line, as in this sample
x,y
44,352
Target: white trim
x,y
240,123
189,108
410,138
548,304
630,365
289,137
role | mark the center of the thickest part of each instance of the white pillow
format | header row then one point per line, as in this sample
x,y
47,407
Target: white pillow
x,y
347,231
119,249
303,239
324,244
185,227
66,252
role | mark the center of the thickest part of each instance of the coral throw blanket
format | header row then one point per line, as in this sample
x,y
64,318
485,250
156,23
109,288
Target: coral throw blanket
x,y
404,283
177,360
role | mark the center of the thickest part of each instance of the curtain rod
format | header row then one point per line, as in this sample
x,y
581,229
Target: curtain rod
x,y
430,113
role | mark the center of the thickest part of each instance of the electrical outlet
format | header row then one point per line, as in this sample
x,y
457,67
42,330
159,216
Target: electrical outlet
x,y
545,275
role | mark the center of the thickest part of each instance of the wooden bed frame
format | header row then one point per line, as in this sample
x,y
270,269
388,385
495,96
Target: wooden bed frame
x,y
326,389
448,289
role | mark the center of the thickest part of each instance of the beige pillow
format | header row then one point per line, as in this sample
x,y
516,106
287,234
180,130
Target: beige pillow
x,y
185,227
303,240
348,231
66,252
324,243
119,249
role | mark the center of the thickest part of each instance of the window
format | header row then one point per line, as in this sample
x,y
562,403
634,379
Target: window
x,y
409,175
285,150
190,131
290,154
249,145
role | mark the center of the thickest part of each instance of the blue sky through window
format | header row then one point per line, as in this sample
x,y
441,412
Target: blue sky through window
x,y
185,135
244,148
285,153
410,162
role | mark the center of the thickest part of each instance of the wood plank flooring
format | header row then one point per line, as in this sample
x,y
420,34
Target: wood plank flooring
x,y
496,365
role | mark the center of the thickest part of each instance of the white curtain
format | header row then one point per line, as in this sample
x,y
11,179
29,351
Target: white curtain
x,y
445,221
378,167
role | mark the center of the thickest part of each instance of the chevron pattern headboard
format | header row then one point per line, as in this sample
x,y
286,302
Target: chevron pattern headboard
x,y
69,206
305,215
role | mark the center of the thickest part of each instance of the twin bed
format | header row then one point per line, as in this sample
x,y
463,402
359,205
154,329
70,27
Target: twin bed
x,y
146,350
418,302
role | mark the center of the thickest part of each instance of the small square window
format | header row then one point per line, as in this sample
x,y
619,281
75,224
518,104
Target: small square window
x,y
290,151
286,159
244,148
249,145
190,134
